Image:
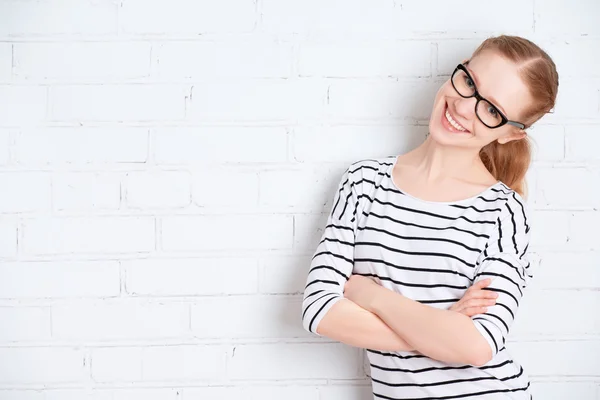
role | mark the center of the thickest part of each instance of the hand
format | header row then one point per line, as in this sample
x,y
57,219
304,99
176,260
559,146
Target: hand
x,y
361,290
476,300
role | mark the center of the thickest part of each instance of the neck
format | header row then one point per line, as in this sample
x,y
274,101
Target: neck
x,y
436,162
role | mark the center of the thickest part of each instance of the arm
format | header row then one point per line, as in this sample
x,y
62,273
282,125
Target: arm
x,y
324,310
449,336
439,334
348,323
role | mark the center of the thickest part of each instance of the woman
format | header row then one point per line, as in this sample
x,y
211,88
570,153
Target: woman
x,y
424,257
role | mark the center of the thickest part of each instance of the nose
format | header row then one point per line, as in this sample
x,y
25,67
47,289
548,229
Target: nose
x,y
465,108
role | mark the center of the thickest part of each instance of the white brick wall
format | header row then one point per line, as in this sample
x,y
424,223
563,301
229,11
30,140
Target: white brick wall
x,y
167,167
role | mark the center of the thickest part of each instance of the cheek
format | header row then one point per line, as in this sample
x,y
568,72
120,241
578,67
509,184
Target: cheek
x,y
488,135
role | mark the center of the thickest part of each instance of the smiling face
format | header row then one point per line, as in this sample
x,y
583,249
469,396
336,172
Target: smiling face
x,y
453,120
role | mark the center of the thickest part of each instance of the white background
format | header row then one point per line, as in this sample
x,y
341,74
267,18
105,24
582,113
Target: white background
x,y
166,168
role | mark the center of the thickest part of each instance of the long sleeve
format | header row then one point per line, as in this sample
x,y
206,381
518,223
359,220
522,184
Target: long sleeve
x,y
504,260
333,260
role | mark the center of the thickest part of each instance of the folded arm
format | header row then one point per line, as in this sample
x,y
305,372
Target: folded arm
x,y
439,334
448,335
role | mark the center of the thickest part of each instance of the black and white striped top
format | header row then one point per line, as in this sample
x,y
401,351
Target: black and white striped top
x,y
430,252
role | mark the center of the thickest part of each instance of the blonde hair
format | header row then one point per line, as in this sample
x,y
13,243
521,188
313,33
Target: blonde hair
x,y
509,162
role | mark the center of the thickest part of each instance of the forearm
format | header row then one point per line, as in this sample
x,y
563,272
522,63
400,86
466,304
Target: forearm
x,y
348,323
439,334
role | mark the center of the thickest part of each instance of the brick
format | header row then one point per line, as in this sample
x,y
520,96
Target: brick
x,y
227,232
158,189
532,191
307,188
187,17
288,392
22,395
119,319
569,270
5,143
117,364
8,238
452,52
563,390
24,323
549,228
136,394
258,100
548,142
586,93
191,276
56,394
158,363
339,143
557,17
86,191
65,17
345,392
5,61
41,365
25,192
255,317
312,361
578,57
361,99
88,235
308,229
140,102
81,61
47,279
185,363
562,188
22,105
242,58
578,357
60,146
516,16
582,142
314,18
220,187
351,59
550,312
582,230
220,145
283,275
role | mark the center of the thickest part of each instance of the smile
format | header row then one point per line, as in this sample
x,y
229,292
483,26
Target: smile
x,y
453,123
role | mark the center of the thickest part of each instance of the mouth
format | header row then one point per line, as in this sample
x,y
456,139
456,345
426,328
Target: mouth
x,y
451,124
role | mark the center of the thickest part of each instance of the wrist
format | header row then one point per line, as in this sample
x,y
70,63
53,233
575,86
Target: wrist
x,y
376,299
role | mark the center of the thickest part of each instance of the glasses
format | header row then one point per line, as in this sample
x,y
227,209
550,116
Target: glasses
x,y
487,113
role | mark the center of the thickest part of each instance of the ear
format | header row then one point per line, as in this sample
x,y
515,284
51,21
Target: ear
x,y
518,135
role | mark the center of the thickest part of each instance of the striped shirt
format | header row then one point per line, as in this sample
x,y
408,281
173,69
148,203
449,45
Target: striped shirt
x,y
431,252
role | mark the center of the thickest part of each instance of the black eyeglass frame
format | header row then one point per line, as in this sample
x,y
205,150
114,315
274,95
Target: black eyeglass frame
x,y
480,98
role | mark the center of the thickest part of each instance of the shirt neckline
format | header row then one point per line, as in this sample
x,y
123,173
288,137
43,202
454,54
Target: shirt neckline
x,y
455,202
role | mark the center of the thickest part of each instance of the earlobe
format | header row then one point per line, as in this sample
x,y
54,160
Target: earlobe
x,y
518,136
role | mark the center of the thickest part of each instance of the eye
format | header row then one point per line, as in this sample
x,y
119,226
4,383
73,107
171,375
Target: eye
x,y
469,82
493,112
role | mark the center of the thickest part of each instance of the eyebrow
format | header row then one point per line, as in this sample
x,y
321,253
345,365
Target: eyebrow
x,y
494,102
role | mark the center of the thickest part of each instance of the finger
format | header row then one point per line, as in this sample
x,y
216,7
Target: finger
x,y
479,303
481,284
480,294
471,311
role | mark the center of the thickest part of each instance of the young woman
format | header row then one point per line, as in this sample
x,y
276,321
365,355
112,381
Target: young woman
x,y
424,257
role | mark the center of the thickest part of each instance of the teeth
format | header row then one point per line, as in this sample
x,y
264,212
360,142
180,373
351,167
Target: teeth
x,y
453,122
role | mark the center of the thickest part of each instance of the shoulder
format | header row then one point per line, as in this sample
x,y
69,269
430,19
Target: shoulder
x,y
369,170
513,208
